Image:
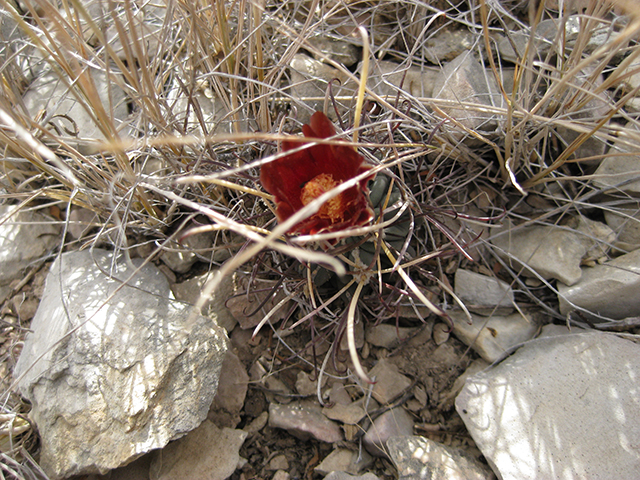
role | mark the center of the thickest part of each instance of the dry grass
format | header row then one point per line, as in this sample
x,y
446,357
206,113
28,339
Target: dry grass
x,y
188,99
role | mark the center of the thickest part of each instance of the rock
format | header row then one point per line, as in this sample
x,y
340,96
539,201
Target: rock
x,y
392,423
344,460
305,386
447,44
232,390
560,407
387,78
482,294
304,420
281,475
625,222
350,414
387,336
207,453
447,398
492,338
337,50
463,80
619,170
279,462
181,256
257,424
419,458
553,252
309,82
440,333
630,81
346,476
61,108
605,291
117,370
190,290
389,382
25,239
81,222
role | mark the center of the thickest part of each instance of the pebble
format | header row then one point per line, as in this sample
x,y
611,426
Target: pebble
x,y
346,476
415,456
344,460
232,390
389,382
440,333
387,336
483,294
605,291
279,462
493,337
625,221
304,420
560,407
391,423
619,170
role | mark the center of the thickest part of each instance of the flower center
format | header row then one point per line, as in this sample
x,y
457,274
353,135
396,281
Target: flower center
x,y
332,209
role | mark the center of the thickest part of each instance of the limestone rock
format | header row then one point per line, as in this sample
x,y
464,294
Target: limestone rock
x,y
553,251
493,337
304,420
115,371
392,423
344,460
390,383
207,453
561,407
24,238
483,294
415,456
619,171
609,290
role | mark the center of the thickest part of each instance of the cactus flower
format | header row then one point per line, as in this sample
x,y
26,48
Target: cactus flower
x,y
300,177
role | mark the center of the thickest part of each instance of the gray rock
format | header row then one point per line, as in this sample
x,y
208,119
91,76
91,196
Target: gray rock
x,y
447,399
232,390
115,371
346,476
344,460
181,256
390,383
392,423
386,336
386,78
304,420
440,333
625,222
337,50
492,338
610,290
482,294
447,44
207,453
25,238
464,80
619,171
553,251
630,81
419,458
561,407
349,414
62,108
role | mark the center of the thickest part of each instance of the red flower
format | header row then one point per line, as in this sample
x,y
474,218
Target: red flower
x,y
300,177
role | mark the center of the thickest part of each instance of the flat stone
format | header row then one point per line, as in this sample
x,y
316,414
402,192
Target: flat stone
x,y
181,256
279,462
447,44
387,78
24,239
232,390
349,414
625,222
419,458
483,294
389,382
337,50
492,338
561,407
117,370
392,423
346,476
207,453
610,290
552,251
387,336
464,80
619,171
304,420
344,460
48,93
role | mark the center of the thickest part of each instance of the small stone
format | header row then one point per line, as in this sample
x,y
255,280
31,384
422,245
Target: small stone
x,y
279,462
389,382
574,395
281,475
607,291
619,170
625,221
257,424
447,399
349,414
346,476
305,386
494,337
387,336
440,333
447,44
232,390
337,50
389,78
344,460
413,456
392,423
180,257
187,457
483,294
304,420
81,222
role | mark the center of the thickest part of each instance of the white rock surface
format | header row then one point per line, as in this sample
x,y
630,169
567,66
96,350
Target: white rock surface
x,y
207,453
553,251
562,407
493,337
115,371
418,458
24,238
610,290
483,294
